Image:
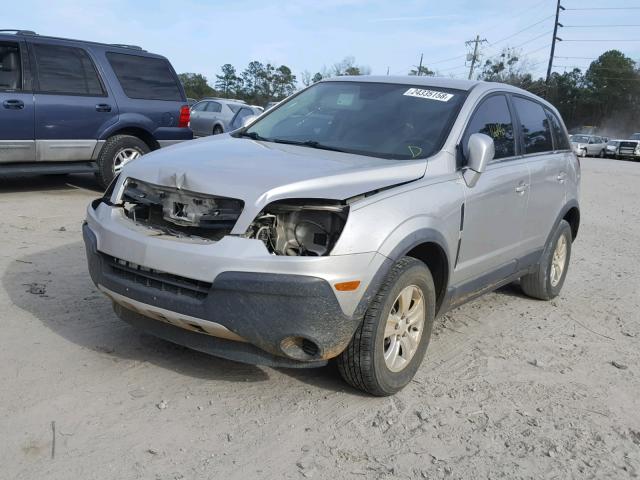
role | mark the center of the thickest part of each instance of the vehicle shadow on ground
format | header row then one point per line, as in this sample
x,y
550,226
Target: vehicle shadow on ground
x,y
30,183
72,307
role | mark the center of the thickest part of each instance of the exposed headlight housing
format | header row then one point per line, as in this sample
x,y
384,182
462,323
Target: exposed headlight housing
x,y
300,227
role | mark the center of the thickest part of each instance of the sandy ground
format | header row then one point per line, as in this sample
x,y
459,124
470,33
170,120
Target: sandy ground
x,y
510,388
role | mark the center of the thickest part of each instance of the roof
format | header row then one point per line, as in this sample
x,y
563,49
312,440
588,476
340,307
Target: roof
x,y
31,34
441,82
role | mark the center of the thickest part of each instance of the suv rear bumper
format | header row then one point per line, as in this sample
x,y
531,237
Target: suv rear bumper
x,y
277,319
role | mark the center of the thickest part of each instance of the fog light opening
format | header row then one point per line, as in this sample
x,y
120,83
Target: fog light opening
x,y
300,348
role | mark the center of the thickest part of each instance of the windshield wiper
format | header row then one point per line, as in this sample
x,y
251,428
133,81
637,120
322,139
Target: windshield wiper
x,y
254,136
309,143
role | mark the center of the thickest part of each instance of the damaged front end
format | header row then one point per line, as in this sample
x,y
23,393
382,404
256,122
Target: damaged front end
x,y
177,212
300,227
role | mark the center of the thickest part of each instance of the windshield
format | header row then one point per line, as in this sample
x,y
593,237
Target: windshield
x,y
580,139
376,119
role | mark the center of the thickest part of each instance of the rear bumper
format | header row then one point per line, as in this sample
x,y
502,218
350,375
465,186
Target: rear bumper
x,y
274,319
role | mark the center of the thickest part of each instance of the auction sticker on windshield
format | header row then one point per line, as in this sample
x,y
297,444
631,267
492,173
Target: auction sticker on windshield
x,y
429,94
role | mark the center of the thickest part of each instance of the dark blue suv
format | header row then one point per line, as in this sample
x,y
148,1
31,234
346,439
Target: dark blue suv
x,y
75,106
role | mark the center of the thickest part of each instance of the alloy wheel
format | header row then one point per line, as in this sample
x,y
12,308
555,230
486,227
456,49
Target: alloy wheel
x,y
404,328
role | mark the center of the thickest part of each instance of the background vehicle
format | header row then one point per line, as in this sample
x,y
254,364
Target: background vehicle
x,y
630,149
76,106
611,149
215,116
588,145
287,261
191,101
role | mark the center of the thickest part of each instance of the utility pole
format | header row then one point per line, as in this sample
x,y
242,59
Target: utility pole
x,y
474,57
387,71
420,66
553,42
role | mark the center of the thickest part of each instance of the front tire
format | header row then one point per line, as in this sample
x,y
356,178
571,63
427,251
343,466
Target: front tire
x,y
389,346
115,154
217,130
547,280
583,153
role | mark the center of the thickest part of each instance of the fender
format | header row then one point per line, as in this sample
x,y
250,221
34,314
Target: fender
x,y
563,211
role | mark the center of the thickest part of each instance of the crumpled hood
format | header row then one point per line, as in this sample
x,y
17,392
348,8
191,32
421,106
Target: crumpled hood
x,y
261,172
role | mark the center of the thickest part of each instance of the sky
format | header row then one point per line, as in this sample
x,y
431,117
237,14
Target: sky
x,y
201,35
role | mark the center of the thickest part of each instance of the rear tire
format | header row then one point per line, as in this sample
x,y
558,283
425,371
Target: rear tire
x,y
113,154
368,363
217,130
546,281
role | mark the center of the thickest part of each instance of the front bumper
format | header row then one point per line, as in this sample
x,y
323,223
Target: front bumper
x,y
285,316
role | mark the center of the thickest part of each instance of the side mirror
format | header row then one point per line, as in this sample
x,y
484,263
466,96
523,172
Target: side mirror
x,y
481,152
247,120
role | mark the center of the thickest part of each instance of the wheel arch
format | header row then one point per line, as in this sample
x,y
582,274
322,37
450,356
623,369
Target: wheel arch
x,y
138,132
429,246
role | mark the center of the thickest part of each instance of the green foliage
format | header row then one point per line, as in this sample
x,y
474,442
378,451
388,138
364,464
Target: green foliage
x,y
422,71
195,85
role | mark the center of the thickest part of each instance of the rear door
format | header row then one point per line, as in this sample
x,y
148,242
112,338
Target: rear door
x,y
16,105
197,118
548,165
72,104
495,208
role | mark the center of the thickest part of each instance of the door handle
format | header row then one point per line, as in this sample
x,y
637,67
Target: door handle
x,y
13,104
103,107
561,176
520,189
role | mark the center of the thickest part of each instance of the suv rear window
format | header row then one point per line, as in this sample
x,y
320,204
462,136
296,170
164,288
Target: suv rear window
x,y
535,129
66,70
145,78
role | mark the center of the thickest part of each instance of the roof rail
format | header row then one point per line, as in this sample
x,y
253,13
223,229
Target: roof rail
x,y
18,32
123,45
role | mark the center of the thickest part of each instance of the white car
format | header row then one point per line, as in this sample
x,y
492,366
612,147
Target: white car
x,y
588,145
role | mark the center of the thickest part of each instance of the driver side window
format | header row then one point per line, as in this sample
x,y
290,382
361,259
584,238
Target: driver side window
x,y
493,118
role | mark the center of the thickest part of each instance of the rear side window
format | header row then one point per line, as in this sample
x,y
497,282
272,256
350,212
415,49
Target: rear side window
x,y
560,139
534,126
233,108
145,78
199,107
10,69
214,107
493,118
66,70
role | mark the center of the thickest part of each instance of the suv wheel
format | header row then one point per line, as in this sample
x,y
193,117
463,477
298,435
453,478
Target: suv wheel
x,y
116,153
217,130
546,282
388,347
583,153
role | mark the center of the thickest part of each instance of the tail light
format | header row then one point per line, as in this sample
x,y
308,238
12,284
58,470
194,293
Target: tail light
x,y
185,116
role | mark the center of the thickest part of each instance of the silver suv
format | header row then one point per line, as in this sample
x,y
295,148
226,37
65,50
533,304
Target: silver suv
x,y
341,223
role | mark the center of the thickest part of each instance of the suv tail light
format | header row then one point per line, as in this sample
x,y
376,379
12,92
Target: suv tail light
x,y
185,116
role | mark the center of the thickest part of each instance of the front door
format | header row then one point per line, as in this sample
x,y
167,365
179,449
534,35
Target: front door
x,y
16,105
72,104
496,207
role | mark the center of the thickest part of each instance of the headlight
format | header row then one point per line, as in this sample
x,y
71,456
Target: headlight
x,y
300,227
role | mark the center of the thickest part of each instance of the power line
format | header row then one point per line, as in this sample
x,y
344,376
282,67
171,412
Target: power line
x,y
599,26
605,8
602,40
520,31
533,39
